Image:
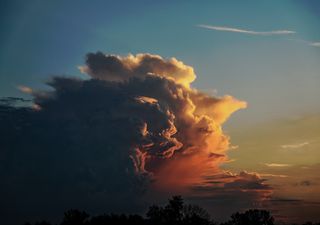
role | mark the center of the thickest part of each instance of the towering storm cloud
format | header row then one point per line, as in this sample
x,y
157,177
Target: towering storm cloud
x,y
135,126
184,131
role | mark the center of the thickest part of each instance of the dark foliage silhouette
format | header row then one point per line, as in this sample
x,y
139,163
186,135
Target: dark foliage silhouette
x,y
175,212
251,217
75,217
117,220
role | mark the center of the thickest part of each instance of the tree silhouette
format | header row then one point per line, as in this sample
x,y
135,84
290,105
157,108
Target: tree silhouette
x,y
252,217
75,217
156,215
172,213
175,212
114,219
194,214
43,223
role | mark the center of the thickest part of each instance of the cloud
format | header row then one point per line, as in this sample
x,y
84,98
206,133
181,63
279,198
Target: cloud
x,y
12,101
135,127
305,183
237,30
299,190
25,89
294,146
310,43
286,200
273,175
234,147
248,181
226,192
315,44
277,165
294,210
117,68
233,184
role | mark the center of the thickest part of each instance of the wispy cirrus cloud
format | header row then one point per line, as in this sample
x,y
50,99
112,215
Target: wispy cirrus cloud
x,y
310,43
273,175
252,32
277,165
315,44
298,145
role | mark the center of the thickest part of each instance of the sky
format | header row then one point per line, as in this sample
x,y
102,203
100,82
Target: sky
x,y
266,54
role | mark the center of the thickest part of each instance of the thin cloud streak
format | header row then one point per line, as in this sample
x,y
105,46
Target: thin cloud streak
x,y
298,145
237,30
272,175
25,89
315,44
277,165
310,43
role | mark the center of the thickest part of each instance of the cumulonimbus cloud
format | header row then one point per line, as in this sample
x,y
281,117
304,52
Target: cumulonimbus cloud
x,y
237,30
135,126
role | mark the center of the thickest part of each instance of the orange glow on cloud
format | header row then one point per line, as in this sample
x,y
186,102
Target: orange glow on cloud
x,y
192,146
198,144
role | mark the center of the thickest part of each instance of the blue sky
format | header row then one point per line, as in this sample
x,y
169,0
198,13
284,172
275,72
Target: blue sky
x,y
272,73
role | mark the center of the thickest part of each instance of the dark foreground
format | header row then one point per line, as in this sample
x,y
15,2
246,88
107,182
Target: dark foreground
x,y
176,212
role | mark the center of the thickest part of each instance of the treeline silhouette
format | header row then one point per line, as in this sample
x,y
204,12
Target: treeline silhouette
x,y
175,212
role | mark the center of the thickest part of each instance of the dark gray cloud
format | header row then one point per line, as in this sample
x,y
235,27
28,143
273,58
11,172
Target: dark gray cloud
x,y
305,183
224,193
